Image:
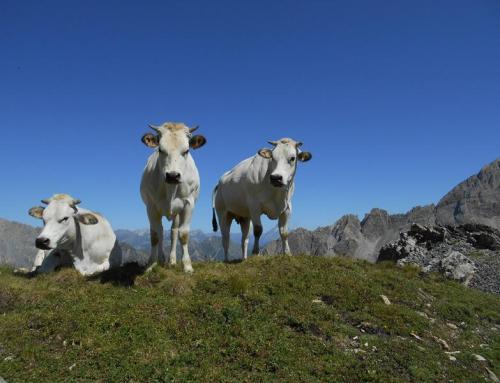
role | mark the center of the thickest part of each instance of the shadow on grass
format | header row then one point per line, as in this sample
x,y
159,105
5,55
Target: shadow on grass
x,y
234,261
121,276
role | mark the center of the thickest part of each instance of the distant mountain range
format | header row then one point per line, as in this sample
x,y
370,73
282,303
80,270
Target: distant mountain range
x,y
475,200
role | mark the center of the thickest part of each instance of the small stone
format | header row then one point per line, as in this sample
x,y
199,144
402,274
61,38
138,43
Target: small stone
x,y
479,357
8,358
385,299
72,366
65,343
452,358
415,336
442,342
317,301
451,325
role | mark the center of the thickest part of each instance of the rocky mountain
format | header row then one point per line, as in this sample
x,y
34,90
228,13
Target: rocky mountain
x,y
476,200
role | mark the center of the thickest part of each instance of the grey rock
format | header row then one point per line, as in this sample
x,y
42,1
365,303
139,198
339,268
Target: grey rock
x,y
456,266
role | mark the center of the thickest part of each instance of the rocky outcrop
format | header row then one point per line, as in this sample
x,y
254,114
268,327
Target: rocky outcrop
x,y
468,253
474,201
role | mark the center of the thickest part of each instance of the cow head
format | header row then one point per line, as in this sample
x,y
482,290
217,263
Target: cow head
x,y
173,141
59,219
284,157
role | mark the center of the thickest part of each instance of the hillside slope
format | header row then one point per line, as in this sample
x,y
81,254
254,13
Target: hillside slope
x,y
298,319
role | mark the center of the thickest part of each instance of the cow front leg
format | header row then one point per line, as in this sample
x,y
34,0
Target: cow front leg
x,y
283,229
40,256
184,224
174,234
156,237
52,261
245,229
257,232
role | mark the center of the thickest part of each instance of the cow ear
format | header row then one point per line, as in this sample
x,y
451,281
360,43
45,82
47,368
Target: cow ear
x,y
87,219
197,141
266,153
36,211
304,156
150,140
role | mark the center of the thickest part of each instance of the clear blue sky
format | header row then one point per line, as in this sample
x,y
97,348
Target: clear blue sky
x,y
397,100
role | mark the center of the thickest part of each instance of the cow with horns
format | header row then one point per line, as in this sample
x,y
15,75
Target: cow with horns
x,y
170,186
73,236
262,184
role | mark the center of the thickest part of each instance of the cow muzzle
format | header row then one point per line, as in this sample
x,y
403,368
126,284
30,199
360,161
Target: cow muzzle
x,y
42,243
276,180
173,178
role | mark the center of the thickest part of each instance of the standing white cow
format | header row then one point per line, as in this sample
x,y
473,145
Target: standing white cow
x,y
73,236
170,187
262,184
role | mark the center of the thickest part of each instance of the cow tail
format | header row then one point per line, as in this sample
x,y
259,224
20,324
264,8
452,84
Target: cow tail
x,y
214,218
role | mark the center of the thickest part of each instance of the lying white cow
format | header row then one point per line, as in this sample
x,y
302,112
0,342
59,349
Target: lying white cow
x,y
170,187
73,236
262,184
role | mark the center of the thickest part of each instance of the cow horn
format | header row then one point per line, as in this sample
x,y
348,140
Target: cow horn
x,y
156,129
273,143
75,202
191,130
46,201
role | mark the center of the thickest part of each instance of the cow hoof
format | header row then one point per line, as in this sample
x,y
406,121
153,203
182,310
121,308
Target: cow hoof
x,y
188,269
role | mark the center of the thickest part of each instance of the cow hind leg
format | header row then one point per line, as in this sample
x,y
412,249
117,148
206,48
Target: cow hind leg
x,y
245,229
174,234
225,220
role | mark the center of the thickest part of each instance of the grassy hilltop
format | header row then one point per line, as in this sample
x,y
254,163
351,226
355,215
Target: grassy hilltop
x,y
293,319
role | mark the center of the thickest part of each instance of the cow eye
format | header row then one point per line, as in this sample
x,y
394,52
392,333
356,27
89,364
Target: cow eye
x,y
185,153
292,159
160,150
63,219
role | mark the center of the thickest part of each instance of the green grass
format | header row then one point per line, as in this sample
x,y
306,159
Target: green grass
x,y
290,319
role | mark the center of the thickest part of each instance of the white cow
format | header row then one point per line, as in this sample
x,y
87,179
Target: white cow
x,y
262,184
73,236
170,186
